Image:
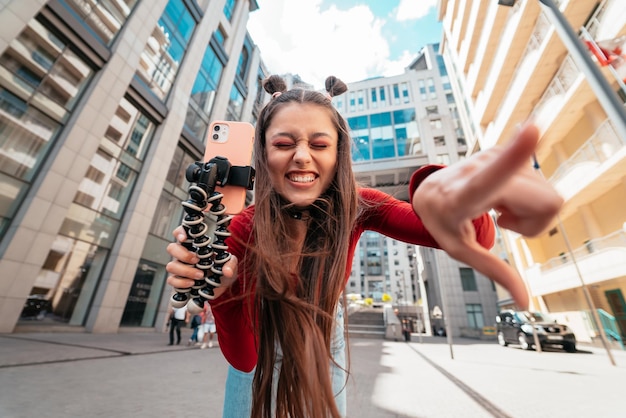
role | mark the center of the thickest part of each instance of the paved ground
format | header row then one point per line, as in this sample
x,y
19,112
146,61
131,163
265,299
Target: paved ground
x,y
137,375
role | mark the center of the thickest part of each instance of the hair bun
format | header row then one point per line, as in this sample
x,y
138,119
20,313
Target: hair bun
x,y
335,86
274,84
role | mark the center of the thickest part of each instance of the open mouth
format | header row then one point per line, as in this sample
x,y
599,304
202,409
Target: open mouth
x,y
301,178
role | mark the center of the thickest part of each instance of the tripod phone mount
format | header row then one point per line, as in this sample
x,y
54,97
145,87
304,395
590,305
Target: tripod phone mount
x,y
204,178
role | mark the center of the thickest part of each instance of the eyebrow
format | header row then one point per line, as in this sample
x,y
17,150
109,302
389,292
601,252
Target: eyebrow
x,y
290,135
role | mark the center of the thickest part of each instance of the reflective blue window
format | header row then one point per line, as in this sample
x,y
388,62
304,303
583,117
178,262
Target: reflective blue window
x,y
382,135
203,94
408,140
166,48
360,138
229,7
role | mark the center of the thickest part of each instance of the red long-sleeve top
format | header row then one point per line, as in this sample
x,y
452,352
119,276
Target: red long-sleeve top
x,y
388,216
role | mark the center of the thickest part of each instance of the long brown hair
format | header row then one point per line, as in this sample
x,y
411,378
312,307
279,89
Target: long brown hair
x,y
295,311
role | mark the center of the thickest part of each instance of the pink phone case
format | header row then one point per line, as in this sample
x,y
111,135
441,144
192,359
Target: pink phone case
x,y
232,140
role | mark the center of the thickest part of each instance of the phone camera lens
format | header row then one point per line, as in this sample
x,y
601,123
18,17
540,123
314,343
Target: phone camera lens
x,y
216,136
216,128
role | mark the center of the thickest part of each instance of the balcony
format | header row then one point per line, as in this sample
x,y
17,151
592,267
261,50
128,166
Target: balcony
x,y
598,260
600,156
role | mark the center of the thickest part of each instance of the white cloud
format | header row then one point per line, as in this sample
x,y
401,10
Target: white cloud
x,y
297,37
414,9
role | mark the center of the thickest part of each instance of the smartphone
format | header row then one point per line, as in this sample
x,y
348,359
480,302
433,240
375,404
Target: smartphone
x,y
232,140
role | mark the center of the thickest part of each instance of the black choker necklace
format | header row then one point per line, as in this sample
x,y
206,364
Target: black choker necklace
x,y
299,214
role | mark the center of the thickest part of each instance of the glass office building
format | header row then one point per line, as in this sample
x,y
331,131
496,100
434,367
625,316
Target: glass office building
x,y
103,105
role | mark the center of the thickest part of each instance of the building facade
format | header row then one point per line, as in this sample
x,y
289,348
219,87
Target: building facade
x,y
103,106
514,63
399,124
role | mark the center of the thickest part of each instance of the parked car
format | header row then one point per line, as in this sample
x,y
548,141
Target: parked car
x,y
516,327
36,306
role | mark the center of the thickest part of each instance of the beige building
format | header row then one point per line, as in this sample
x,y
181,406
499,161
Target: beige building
x,y
103,106
508,64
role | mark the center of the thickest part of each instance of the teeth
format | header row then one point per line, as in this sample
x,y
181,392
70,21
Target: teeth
x,y
302,179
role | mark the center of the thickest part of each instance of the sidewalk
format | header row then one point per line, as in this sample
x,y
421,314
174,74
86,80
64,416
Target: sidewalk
x,y
139,375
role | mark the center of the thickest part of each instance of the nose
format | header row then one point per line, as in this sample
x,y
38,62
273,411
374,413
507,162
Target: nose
x,y
302,154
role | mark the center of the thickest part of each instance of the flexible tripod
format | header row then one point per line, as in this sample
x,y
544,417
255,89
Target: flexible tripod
x,y
204,177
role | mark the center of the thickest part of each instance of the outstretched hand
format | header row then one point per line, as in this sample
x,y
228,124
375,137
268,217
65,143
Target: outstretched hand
x,y
499,178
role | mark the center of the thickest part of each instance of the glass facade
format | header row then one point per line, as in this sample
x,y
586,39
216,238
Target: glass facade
x,y
103,18
385,135
41,78
73,266
229,8
93,146
235,104
203,94
166,47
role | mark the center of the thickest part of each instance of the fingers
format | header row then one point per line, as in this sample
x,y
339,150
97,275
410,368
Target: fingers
x,y
497,270
180,234
181,253
515,154
230,269
490,170
529,205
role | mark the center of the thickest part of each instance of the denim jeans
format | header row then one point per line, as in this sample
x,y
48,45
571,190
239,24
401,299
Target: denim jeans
x,y
238,393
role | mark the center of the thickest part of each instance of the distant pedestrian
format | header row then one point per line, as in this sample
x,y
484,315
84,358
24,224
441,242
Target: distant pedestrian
x,y
178,317
406,331
196,322
207,329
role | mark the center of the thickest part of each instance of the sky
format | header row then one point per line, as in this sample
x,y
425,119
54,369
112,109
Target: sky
x,y
351,39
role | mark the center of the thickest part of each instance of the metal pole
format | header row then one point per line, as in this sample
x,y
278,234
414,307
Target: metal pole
x,y
612,106
420,306
444,304
580,54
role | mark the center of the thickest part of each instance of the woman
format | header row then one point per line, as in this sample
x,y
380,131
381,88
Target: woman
x,y
277,312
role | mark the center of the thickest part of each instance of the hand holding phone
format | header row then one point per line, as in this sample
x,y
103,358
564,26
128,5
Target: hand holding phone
x,y
232,140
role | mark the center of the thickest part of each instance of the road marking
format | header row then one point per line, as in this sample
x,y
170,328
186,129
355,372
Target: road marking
x,y
477,397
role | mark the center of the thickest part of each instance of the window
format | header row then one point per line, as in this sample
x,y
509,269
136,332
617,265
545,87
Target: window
x,y
360,138
43,77
115,166
242,66
166,47
475,317
468,279
381,131
422,88
405,93
219,36
203,94
432,110
435,123
443,159
381,94
361,99
229,8
373,98
235,104
431,88
103,18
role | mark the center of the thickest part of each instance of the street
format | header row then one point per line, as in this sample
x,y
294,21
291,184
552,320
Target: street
x,y
137,375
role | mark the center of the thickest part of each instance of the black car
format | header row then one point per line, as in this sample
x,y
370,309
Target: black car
x,y
36,306
516,327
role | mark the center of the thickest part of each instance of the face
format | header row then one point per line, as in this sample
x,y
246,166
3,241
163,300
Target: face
x,y
301,149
